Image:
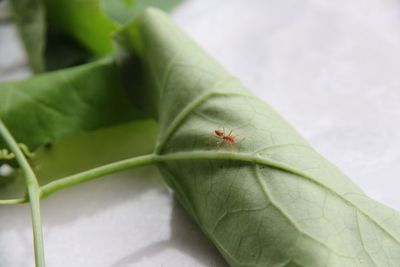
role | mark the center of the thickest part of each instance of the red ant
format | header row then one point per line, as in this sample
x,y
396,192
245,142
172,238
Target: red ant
x,y
223,138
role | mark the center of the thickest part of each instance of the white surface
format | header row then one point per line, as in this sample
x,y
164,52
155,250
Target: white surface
x,y
12,58
329,67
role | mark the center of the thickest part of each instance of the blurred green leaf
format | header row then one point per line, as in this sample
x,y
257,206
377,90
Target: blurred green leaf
x,y
49,106
84,21
65,33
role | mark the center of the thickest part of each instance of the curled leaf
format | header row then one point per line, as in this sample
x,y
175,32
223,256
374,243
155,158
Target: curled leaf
x,y
272,200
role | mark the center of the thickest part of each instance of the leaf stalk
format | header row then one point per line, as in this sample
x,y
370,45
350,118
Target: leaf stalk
x,y
34,193
86,176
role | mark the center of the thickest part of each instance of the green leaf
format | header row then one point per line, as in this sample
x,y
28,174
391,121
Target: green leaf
x,y
63,51
65,33
84,21
30,17
46,107
58,34
272,200
86,151
95,34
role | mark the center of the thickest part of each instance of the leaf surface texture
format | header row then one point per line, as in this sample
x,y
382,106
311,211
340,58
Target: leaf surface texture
x,y
270,201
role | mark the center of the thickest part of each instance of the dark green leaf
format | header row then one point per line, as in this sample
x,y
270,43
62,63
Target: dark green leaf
x,y
46,107
63,51
272,200
64,33
84,21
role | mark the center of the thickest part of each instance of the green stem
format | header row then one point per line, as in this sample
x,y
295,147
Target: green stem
x,y
33,193
89,175
12,201
72,180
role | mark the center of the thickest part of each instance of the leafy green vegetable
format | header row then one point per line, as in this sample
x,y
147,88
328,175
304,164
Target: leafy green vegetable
x,y
273,200
46,107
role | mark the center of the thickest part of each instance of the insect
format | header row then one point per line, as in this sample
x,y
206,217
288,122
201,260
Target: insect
x,y
223,138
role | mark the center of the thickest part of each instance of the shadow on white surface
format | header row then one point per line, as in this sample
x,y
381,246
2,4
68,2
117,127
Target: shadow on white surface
x,y
185,236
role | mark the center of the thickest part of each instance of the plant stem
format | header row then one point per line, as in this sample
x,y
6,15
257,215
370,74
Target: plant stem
x,y
12,201
89,175
149,159
85,176
33,194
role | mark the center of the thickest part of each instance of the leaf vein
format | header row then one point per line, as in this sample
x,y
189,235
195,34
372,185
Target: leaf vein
x,y
184,114
251,158
362,238
274,203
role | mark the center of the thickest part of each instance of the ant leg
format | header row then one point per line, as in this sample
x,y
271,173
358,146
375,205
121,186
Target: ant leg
x,y
210,137
220,143
223,129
